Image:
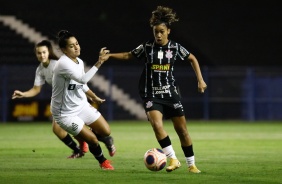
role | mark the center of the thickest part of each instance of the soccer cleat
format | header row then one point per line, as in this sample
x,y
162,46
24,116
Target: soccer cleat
x,y
76,155
173,164
106,165
83,146
109,142
193,169
112,150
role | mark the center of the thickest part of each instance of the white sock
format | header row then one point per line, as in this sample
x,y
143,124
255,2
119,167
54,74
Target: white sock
x,y
169,152
190,161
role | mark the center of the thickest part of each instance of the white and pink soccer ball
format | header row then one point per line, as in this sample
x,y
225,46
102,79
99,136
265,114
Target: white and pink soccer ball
x,y
155,159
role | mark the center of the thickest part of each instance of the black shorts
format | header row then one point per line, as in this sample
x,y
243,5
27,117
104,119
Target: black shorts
x,y
169,107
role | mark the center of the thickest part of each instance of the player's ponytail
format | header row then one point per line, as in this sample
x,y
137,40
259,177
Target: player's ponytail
x,y
62,37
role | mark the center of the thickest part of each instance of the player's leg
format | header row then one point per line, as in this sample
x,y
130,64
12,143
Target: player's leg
x,y
82,145
186,142
94,147
93,118
76,126
155,117
102,132
101,127
67,140
107,140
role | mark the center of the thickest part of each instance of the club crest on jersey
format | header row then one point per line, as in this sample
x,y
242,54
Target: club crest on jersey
x,y
168,54
149,104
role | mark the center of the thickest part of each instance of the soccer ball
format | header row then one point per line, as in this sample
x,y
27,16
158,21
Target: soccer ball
x,y
155,159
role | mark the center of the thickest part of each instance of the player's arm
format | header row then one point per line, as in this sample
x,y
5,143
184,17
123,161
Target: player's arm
x,y
35,90
195,65
119,56
83,78
93,97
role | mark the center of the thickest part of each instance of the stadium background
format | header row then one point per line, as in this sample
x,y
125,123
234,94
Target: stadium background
x,y
238,44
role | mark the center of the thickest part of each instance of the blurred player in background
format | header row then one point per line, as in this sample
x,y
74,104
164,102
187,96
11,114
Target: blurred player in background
x,y
158,88
69,105
44,72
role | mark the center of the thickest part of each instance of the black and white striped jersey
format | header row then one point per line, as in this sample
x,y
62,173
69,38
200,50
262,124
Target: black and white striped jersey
x,y
157,79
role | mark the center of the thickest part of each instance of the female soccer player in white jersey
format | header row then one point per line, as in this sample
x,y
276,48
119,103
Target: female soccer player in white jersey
x,y
45,55
157,85
69,105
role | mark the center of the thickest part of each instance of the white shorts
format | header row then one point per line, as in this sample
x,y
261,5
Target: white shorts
x,y
74,124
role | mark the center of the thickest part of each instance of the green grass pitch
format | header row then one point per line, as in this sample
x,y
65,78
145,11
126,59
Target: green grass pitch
x,y
226,152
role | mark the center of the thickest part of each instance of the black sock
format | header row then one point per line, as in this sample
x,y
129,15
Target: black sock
x,y
188,151
71,143
106,140
97,152
100,138
165,142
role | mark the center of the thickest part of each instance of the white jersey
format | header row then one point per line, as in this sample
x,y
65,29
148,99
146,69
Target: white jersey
x,y
68,93
43,74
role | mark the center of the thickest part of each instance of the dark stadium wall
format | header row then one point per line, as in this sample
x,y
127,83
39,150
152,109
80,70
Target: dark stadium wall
x,y
219,33
235,42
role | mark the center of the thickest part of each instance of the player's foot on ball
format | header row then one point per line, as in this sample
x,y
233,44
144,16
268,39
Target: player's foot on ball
x,y
173,164
106,165
76,155
193,169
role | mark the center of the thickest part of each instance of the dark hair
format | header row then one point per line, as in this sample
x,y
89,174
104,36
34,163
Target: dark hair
x,y
163,15
62,37
47,44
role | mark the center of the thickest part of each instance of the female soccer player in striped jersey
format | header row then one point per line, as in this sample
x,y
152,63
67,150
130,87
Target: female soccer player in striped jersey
x,y
157,85
69,105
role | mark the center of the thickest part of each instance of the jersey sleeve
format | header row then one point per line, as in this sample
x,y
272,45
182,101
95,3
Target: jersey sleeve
x,y
183,53
139,51
68,71
39,78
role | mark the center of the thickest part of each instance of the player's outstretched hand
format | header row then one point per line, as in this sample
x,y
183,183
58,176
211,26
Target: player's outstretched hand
x,y
103,55
104,51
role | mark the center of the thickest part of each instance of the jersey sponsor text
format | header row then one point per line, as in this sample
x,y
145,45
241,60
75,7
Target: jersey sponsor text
x,y
159,67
